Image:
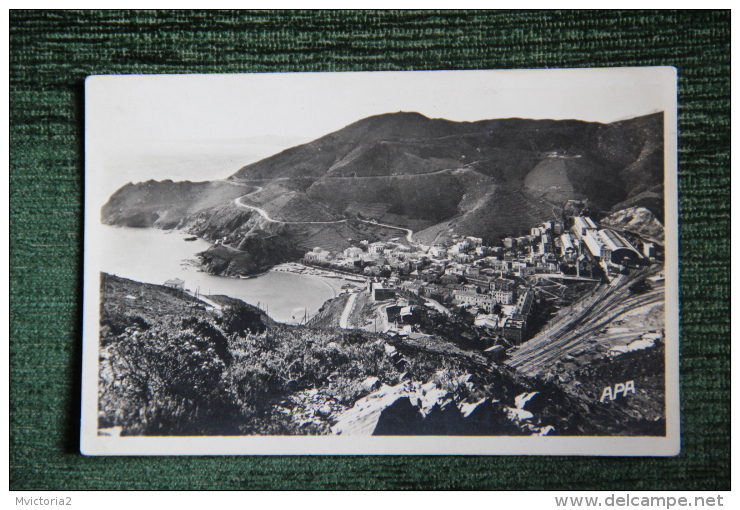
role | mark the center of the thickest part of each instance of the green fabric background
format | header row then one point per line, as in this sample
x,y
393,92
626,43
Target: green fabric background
x,y
52,52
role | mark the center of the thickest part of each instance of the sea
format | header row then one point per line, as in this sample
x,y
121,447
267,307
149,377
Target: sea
x,y
153,256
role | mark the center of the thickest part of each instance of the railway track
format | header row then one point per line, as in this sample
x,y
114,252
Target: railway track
x,y
571,343
571,331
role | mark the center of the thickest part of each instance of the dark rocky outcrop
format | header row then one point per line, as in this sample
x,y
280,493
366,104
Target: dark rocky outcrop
x,y
256,253
425,409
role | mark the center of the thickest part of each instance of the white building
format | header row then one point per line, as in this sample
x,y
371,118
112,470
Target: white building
x,y
466,297
175,283
582,225
353,252
318,255
438,252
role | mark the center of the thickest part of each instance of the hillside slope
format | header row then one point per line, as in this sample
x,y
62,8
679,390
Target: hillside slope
x,y
487,178
607,163
174,365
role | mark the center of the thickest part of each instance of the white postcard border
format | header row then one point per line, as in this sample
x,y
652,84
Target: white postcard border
x,y
92,444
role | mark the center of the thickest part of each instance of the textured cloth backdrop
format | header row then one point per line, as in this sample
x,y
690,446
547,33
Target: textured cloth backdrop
x,y
52,52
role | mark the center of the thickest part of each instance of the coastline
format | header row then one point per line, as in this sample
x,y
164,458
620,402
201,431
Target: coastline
x,y
326,276
152,255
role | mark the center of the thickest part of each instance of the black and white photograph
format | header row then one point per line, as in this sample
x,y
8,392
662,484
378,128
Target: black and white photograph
x,y
439,262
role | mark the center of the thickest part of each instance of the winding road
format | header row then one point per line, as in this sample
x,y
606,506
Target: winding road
x,y
349,305
238,202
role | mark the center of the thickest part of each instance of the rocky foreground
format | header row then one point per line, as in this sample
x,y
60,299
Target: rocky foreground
x,y
171,364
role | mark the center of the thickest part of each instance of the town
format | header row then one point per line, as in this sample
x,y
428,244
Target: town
x,y
497,288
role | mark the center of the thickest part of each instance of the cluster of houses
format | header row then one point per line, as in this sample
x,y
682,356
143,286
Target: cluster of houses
x,y
416,262
488,282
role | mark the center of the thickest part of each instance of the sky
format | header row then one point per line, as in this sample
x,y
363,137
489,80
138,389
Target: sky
x,y
203,127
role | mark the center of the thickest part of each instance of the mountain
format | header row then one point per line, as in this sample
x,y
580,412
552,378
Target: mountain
x,y
425,167
487,178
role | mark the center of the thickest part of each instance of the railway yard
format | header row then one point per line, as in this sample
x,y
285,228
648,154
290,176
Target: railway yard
x,y
608,315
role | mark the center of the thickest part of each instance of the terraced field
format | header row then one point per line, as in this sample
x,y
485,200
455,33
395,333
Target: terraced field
x,y
505,212
550,180
332,237
367,210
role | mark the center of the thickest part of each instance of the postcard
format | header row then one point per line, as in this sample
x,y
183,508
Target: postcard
x,y
383,263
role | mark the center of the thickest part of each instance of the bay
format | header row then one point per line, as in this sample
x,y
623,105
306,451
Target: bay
x,y
154,256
